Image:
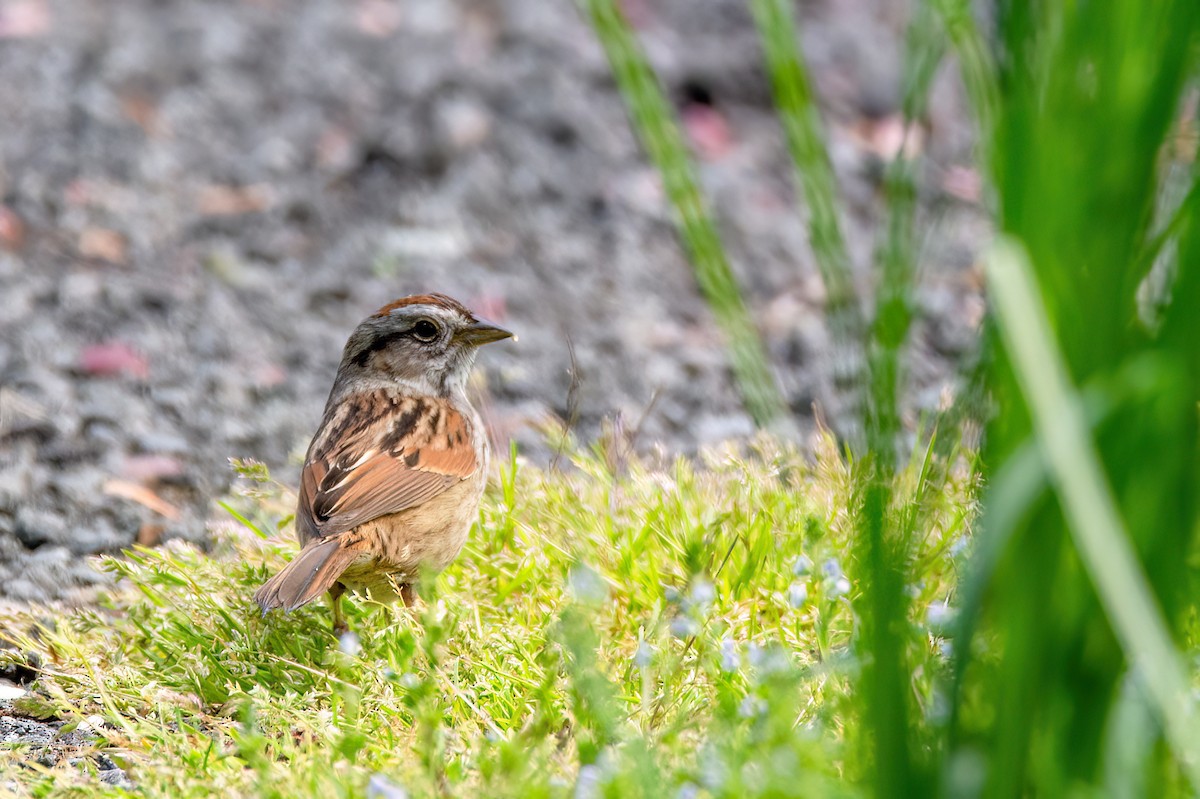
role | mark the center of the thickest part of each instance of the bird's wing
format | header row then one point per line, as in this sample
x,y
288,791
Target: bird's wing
x,y
379,453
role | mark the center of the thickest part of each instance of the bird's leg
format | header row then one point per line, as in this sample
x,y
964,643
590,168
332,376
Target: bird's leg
x,y
408,595
335,602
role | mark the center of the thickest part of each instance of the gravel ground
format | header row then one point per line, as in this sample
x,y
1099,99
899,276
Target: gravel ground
x,y
199,200
46,745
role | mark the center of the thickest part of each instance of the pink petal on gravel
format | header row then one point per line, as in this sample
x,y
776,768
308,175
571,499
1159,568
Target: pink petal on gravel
x,y
708,131
148,468
885,137
378,18
217,200
103,244
268,375
112,359
24,19
12,229
141,495
964,183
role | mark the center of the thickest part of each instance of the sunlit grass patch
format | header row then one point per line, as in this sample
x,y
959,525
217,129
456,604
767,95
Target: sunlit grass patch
x,y
674,628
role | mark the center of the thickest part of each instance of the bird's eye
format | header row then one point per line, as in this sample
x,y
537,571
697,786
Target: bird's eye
x,y
424,330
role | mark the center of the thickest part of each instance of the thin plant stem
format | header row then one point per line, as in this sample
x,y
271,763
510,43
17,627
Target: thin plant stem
x,y
660,135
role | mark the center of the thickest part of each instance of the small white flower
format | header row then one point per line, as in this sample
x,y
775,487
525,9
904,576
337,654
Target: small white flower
x,y
802,566
840,587
349,644
380,787
939,615
754,655
767,660
588,783
586,585
643,655
797,594
713,770
702,593
730,659
684,626
831,568
752,706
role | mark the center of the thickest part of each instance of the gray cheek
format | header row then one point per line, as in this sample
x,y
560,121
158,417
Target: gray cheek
x,y
405,360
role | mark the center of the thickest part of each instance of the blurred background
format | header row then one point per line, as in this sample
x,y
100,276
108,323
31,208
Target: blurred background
x,y
199,200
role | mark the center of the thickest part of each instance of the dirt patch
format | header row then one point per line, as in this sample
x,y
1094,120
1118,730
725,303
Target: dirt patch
x,y
198,201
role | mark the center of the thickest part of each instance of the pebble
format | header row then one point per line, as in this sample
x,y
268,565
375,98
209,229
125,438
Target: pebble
x,y
11,692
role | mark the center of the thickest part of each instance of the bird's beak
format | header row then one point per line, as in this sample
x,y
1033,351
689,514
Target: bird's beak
x,y
482,332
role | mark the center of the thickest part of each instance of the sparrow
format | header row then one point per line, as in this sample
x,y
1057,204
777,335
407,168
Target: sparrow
x,y
393,477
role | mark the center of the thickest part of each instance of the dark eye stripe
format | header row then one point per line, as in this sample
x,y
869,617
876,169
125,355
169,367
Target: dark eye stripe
x,y
388,339
377,344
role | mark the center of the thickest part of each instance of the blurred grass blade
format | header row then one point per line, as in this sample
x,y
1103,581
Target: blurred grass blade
x,y
1158,260
660,135
797,109
897,257
975,64
245,522
1012,491
886,539
1129,741
1095,524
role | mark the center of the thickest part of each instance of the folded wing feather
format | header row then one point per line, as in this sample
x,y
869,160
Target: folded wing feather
x,y
378,454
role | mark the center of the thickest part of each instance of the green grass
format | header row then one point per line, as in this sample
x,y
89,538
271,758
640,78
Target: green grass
x,y
689,625
1091,592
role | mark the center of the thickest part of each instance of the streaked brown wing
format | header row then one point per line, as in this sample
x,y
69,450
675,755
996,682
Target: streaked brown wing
x,y
379,453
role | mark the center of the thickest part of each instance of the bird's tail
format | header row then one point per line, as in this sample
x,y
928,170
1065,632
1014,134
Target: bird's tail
x,y
310,574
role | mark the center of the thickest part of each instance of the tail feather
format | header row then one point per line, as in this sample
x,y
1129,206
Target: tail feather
x,y
310,574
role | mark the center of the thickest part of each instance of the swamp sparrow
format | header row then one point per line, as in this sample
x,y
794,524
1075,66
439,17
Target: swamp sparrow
x,y
392,480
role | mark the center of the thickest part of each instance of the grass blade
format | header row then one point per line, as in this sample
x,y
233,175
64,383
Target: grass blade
x,y
975,64
796,104
1094,521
